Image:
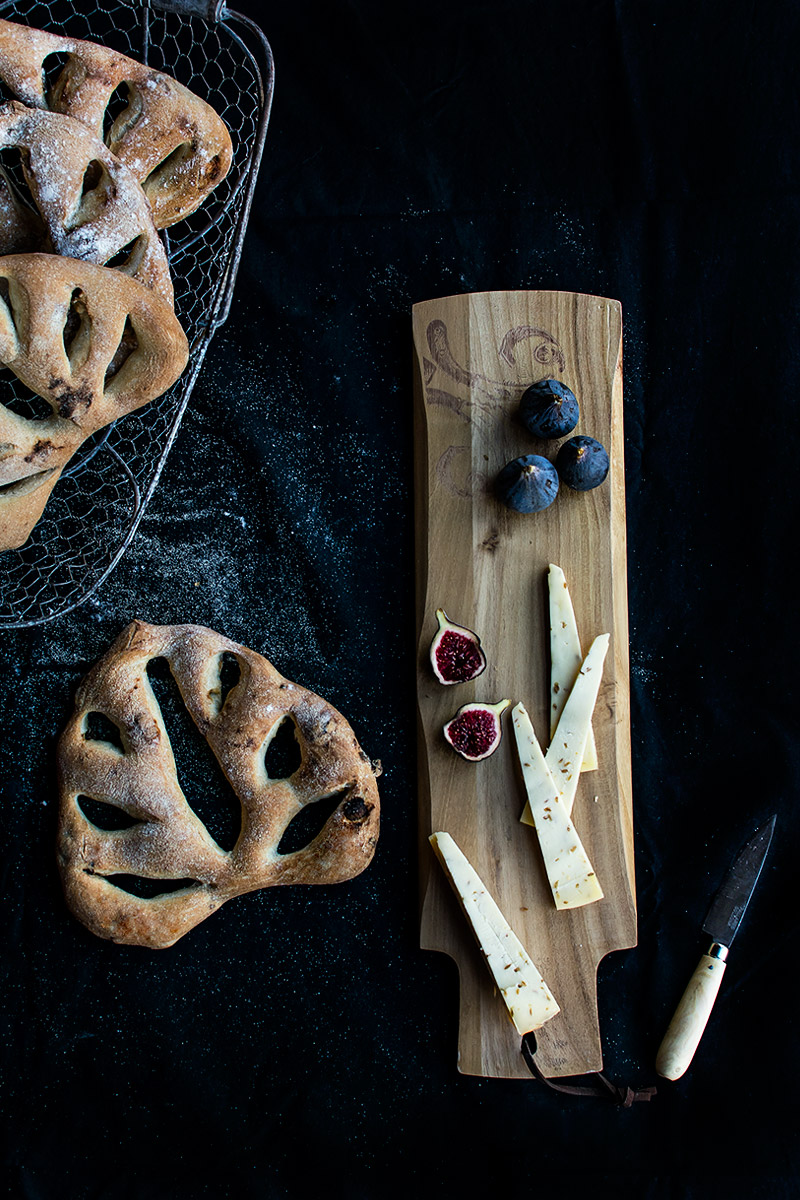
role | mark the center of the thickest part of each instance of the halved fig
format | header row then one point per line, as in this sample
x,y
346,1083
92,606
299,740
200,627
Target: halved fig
x,y
456,654
475,731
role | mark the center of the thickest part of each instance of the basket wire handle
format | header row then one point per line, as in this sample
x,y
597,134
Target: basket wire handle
x,y
211,10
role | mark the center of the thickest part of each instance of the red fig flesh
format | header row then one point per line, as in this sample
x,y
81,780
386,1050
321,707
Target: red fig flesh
x,y
456,654
475,731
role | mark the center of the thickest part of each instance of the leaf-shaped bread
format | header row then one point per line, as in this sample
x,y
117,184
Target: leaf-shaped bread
x,y
95,345
172,140
91,205
166,841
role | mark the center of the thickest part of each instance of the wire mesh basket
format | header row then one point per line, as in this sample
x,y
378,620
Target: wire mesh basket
x,y
97,505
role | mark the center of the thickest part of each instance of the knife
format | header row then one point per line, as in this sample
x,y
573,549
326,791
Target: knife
x,y
727,909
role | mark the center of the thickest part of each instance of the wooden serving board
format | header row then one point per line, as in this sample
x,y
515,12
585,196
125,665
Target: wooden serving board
x,y
487,567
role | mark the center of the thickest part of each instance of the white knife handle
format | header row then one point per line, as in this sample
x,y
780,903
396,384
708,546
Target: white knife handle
x,y
691,1016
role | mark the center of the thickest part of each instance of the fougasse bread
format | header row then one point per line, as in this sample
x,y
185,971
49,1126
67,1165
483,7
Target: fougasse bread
x,y
95,345
165,840
171,139
91,206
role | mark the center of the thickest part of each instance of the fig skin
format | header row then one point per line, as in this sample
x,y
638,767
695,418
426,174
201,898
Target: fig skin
x,y
549,409
528,484
475,731
456,654
582,463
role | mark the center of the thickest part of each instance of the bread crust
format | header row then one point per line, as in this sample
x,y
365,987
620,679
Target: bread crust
x,y
95,345
171,139
92,207
169,842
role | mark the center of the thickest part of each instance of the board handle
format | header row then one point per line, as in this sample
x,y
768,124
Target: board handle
x,y
691,1016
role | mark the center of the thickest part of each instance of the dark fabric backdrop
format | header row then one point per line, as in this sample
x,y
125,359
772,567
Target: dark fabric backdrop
x,y
299,1042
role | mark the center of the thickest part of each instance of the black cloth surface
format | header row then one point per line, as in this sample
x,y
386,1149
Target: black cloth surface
x,y
299,1042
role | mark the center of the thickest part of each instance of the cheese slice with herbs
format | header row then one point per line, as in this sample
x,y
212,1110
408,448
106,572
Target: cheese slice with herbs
x,y
565,751
565,656
527,997
569,872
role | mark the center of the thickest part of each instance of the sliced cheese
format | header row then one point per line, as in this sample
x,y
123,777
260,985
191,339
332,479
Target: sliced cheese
x,y
566,749
526,995
565,656
569,871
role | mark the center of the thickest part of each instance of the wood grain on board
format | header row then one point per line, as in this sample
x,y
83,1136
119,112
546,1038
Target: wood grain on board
x,y
487,567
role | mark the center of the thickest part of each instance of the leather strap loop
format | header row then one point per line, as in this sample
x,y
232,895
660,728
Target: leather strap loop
x,y
623,1096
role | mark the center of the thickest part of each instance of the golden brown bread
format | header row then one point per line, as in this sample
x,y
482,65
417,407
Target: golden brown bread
x,y
168,841
92,206
174,142
21,229
95,345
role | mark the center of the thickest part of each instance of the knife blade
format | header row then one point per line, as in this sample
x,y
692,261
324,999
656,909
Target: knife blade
x,y
721,923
